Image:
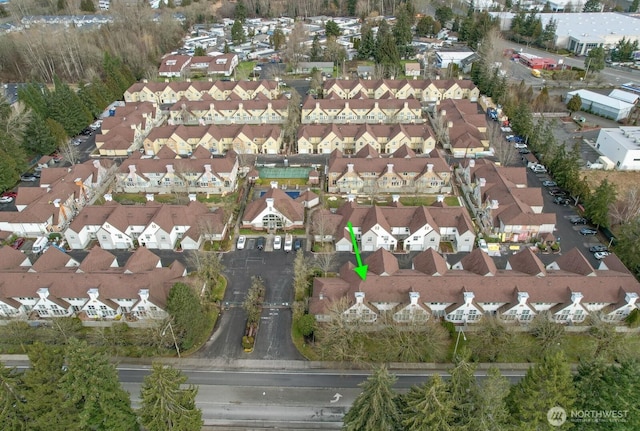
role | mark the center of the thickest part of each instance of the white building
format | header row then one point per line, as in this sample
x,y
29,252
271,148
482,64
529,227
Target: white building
x,y
445,58
622,146
602,105
580,32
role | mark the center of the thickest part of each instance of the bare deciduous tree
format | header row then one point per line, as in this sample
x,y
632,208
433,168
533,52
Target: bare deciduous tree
x,y
70,153
322,226
295,48
504,151
325,261
627,208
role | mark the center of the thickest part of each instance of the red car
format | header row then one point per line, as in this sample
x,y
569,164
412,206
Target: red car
x,y
10,194
18,243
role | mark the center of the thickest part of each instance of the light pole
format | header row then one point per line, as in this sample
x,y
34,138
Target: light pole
x,y
175,342
455,350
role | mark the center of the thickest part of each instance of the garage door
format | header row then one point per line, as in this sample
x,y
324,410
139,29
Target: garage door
x,y
343,247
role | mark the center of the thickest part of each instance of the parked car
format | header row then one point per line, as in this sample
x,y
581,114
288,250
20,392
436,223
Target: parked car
x,y
519,145
28,178
549,183
297,244
524,151
6,199
242,240
514,138
260,243
588,231
538,168
558,192
57,157
598,248
277,242
10,194
578,220
87,131
561,200
600,254
17,243
76,142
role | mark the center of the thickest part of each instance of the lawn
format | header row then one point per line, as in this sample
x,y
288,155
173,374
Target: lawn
x,y
285,181
245,68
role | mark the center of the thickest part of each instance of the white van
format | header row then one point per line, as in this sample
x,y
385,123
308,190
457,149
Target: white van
x,y
40,245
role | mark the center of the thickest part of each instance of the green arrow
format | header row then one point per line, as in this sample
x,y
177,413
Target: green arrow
x,y
361,269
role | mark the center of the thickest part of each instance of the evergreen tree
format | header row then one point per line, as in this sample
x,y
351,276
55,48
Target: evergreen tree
x,y
574,104
93,393
627,246
595,60
38,138
429,407
316,49
351,7
35,97
547,384
199,52
591,6
237,33
367,47
596,207
190,320
165,404
634,6
331,29
278,39
240,11
491,411
402,32
10,396
463,389
443,14
87,6
375,409
42,394
66,108
9,170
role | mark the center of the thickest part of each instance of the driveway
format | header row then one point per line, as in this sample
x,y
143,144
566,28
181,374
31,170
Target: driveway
x,y
274,334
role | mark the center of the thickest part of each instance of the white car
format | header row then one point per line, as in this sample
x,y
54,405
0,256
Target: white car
x,y
5,199
242,240
600,254
277,242
519,146
538,168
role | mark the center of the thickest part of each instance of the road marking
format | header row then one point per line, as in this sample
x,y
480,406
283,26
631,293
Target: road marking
x,y
336,398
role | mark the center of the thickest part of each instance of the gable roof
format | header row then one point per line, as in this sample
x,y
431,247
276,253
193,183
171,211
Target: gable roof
x,y
382,262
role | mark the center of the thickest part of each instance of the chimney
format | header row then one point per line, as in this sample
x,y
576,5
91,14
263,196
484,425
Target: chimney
x,y
207,168
413,297
349,167
96,164
43,292
439,198
450,124
522,298
317,105
482,182
631,298
359,297
395,198
192,197
390,167
472,163
443,113
468,297
210,79
274,184
132,169
494,204
429,167
56,203
321,296
169,169
269,202
576,297
149,197
188,79
145,81
108,197
351,198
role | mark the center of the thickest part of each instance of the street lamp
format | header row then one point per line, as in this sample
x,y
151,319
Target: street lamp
x,y
175,342
455,350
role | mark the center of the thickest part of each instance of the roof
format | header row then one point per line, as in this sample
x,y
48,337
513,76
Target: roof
x,y
590,96
288,207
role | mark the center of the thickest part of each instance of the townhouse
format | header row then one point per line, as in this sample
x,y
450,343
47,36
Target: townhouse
x,y
62,193
277,209
95,288
169,173
223,64
568,289
217,139
153,225
371,111
401,172
423,90
463,126
123,132
502,203
254,111
161,93
351,138
174,65
400,227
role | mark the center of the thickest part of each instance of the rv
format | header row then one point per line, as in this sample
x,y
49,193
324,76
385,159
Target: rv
x,y
288,243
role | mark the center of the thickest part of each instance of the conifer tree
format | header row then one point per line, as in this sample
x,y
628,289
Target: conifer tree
x,y
429,407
